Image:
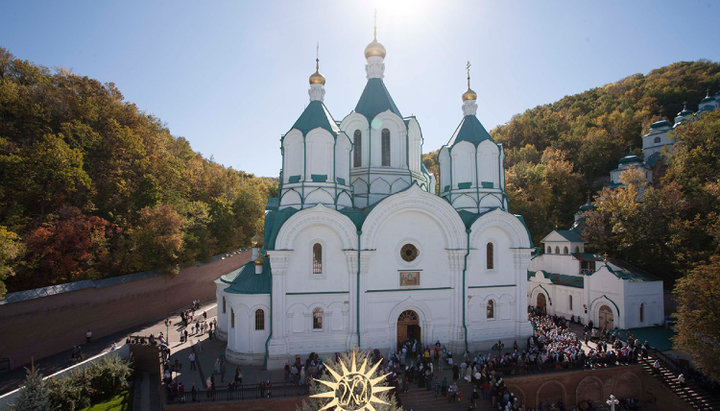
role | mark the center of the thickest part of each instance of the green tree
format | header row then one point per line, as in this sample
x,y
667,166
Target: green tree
x,y
157,240
10,249
698,329
34,393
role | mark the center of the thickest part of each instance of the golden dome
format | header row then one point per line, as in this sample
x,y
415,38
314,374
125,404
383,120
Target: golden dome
x,y
317,78
254,240
375,49
469,94
259,260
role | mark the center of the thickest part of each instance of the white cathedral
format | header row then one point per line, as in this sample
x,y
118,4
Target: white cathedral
x,y
360,251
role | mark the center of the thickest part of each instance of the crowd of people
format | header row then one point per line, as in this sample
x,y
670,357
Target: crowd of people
x,y
553,346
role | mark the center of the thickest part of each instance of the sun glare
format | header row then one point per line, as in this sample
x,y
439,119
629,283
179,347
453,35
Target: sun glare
x,y
354,389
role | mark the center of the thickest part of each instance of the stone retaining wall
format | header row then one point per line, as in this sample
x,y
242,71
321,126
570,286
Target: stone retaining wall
x,y
595,386
44,326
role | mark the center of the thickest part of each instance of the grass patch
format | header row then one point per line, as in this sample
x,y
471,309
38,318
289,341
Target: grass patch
x,y
120,402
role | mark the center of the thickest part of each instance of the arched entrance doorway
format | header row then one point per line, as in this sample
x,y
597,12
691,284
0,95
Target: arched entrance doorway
x,y
605,318
541,302
408,327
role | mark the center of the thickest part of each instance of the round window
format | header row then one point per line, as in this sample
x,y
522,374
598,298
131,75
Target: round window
x,y
408,252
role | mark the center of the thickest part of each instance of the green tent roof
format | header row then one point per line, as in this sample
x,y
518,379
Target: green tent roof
x,y
470,130
375,99
316,115
245,280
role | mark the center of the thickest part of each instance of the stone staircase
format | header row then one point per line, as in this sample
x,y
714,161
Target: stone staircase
x,y
419,399
695,396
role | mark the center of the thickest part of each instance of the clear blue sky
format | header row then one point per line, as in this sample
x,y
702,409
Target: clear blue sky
x,y
231,76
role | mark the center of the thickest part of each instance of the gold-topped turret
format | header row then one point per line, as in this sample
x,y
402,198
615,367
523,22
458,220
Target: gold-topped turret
x,y
469,94
316,77
259,260
375,48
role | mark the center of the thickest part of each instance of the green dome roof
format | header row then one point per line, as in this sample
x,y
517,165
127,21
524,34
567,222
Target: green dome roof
x,y
630,158
660,123
685,112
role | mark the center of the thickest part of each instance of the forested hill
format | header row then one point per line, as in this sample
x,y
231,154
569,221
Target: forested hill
x,y
90,186
558,154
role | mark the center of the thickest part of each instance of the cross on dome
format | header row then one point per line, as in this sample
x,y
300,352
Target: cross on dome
x,y
316,77
469,94
375,48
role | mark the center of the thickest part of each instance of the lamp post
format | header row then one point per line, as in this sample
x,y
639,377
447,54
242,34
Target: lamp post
x,y
612,402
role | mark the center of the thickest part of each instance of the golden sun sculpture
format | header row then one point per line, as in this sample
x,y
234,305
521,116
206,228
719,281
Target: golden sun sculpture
x,y
354,389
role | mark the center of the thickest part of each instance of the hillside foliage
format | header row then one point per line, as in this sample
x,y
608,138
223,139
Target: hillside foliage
x,y
93,187
559,155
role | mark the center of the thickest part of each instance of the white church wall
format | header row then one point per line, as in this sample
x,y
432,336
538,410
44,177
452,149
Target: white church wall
x,y
415,145
503,271
444,161
343,148
398,144
487,160
382,309
334,276
426,235
222,309
463,164
319,151
353,122
302,336
556,263
246,344
649,293
293,152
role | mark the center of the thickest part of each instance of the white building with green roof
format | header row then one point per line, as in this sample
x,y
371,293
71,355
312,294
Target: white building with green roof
x,y
359,250
565,280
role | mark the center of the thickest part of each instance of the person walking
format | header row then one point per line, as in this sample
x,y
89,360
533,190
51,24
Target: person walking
x,y
191,357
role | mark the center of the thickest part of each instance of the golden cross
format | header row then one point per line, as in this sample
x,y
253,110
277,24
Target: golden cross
x,y
467,68
375,26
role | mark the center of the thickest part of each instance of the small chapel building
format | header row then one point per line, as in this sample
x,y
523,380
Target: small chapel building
x,y
565,280
360,251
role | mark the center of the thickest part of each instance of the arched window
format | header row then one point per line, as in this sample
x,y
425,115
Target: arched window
x,y
259,319
642,312
385,145
224,309
490,256
565,250
357,149
317,318
549,250
577,249
571,303
232,318
491,309
317,258
656,140
557,250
